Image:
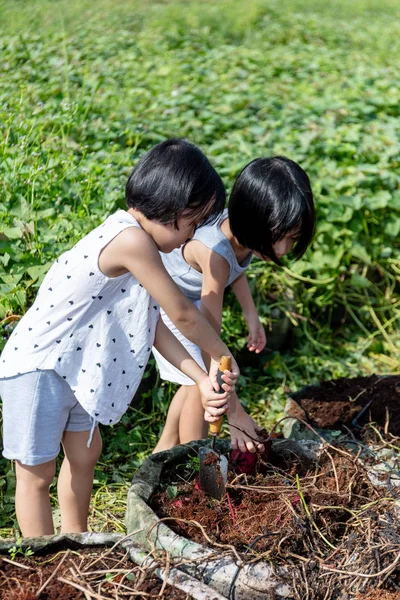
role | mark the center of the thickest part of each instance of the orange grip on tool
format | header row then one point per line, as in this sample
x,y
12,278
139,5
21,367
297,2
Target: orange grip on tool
x,y
225,364
215,427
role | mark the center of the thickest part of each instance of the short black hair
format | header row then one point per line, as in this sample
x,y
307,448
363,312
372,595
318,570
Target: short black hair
x,y
270,198
173,177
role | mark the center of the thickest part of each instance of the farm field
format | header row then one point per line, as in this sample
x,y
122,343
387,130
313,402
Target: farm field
x,y
87,88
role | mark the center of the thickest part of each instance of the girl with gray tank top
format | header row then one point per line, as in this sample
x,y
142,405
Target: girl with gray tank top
x,y
270,213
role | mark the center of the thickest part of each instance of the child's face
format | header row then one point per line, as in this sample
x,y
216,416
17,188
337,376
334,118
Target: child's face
x,y
173,235
281,247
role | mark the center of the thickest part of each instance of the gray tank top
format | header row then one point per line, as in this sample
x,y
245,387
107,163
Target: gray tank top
x,y
186,277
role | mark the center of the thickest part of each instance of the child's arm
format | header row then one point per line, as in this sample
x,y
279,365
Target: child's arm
x,y
215,404
256,339
215,271
133,250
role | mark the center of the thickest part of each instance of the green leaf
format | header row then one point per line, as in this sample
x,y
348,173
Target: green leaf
x,y
45,213
38,271
392,228
386,252
379,200
172,491
339,213
10,278
358,281
360,252
12,233
395,201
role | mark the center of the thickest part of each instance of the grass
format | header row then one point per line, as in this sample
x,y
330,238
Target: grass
x,y
86,88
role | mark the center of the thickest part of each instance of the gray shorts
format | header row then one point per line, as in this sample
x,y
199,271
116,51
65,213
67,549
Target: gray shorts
x,y
37,408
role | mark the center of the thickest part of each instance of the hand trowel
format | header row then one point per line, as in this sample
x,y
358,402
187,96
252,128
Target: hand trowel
x,y
213,466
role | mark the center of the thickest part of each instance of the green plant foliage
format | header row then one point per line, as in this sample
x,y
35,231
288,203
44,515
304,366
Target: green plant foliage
x,y
87,88
172,491
17,549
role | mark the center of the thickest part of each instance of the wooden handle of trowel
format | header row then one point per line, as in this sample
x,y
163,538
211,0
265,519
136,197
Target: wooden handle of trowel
x,y
225,364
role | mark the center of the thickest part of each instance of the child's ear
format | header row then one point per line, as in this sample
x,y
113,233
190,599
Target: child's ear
x,y
172,225
175,224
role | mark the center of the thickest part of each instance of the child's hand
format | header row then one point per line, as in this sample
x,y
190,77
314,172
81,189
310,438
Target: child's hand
x,y
239,423
256,339
214,403
230,377
239,439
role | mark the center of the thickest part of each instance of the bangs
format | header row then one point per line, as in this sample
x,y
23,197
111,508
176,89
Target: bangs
x,y
296,219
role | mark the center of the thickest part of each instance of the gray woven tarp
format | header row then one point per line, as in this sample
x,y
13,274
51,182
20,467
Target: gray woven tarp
x,y
219,570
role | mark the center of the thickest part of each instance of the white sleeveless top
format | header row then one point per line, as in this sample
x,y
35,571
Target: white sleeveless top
x,y
95,331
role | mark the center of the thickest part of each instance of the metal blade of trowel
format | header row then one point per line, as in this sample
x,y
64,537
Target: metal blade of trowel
x,y
213,466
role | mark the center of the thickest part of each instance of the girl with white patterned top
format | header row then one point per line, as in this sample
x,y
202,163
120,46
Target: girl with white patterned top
x,y
77,356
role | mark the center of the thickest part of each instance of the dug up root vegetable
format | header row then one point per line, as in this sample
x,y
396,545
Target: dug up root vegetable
x,y
250,462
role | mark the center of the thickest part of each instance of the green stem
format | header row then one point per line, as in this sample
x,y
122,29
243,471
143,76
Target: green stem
x,y
309,279
307,511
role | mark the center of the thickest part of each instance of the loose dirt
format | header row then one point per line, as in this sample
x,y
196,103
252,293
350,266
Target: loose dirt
x,y
95,571
324,519
353,402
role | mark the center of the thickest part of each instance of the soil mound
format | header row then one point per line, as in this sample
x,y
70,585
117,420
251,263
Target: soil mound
x,y
353,402
320,515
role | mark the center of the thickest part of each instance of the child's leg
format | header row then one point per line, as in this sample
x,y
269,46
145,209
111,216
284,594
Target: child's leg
x,y
170,435
185,419
191,423
32,500
75,480
38,407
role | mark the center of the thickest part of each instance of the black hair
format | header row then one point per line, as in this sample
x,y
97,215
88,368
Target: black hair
x,y
270,198
173,177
